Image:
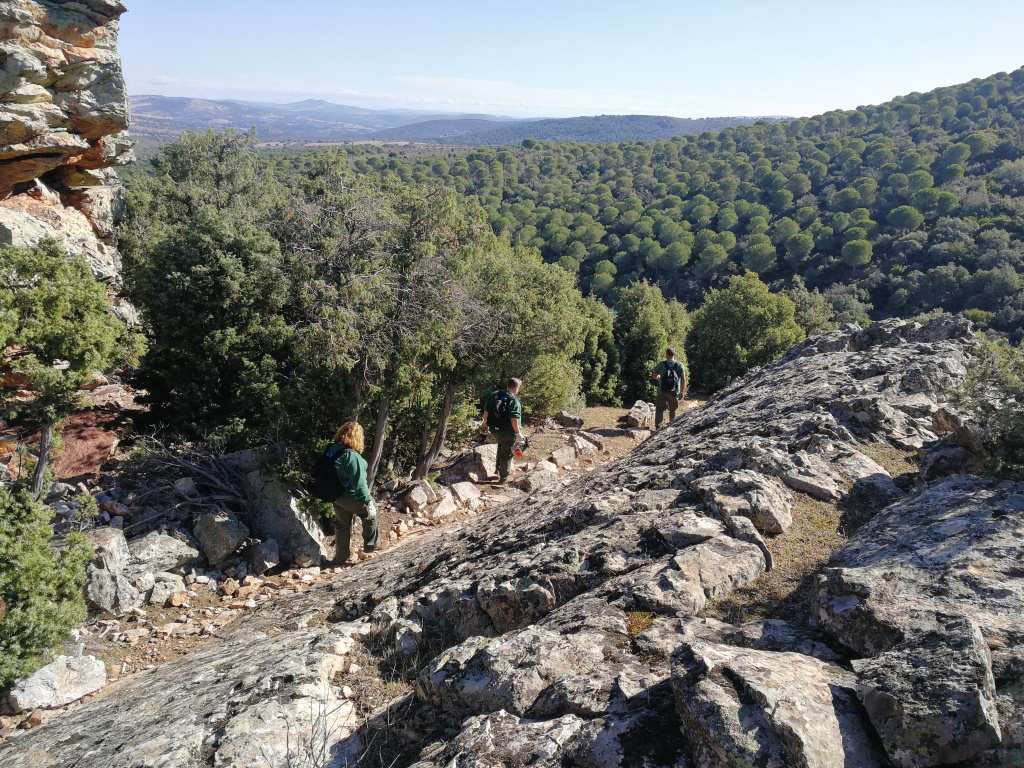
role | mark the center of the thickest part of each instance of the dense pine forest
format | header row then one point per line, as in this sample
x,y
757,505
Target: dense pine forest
x,y
898,209
397,284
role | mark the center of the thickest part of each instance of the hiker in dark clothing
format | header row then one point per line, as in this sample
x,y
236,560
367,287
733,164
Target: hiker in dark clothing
x,y
503,416
671,378
355,499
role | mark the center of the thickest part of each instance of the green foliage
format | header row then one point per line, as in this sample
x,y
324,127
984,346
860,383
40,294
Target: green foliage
x,y
992,400
322,297
552,382
645,326
213,296
943,154
857,253
905,217
599,358
56,330
814,312
53,310
737,328
40,588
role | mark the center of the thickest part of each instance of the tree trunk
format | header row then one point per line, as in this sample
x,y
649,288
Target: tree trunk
x,y
390,447
379,431
44,457
428,459
358,392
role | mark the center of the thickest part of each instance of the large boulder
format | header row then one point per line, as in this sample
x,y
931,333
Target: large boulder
x,y
62,681
699,573
585,446
640,416
763,499
539,478
484,460
445,505
220,535
276,515
418,498
746,708
160,551
465,492
955,547
566,419
932,699
107,583
907,593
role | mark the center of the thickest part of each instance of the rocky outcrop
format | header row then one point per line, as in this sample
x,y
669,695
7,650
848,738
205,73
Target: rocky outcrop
x,y
63,117
108,586
160,551
565,629
62,681
930,594
746,707
276,515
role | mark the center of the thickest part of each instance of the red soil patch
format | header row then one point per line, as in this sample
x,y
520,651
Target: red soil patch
x,y
90,438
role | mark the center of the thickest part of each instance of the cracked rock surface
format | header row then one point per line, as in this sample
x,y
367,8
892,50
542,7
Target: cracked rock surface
x,y
565,629
63,122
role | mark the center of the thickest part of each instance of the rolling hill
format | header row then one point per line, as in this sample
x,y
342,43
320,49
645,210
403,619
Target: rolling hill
x,y
163,118
907,207
603,128
159,119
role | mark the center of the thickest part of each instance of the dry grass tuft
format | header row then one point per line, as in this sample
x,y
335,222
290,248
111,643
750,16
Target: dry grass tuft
x,y
896,461
799,554
638,622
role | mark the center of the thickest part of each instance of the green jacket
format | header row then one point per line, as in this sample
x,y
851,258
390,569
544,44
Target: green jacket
x,y
664,366
515,411
351,469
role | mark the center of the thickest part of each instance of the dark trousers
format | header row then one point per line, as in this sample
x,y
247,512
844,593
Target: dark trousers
x,y
505,442
666,400
345,508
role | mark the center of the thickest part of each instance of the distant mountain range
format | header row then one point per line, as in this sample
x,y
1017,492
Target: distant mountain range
x,y
160,119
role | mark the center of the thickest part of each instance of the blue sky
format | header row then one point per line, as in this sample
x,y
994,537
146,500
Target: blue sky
x,y
682,58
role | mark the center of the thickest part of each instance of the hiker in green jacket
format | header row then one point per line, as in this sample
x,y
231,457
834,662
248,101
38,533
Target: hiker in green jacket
x,y
355,499
503,416
671,378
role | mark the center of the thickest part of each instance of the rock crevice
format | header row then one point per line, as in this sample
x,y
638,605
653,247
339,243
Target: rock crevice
x,y
565,629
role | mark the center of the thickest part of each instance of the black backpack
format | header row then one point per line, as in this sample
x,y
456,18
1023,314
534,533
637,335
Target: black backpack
x,y
326,486
498,417
670,379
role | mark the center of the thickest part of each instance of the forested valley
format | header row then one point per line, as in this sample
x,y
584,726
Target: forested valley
x,y
891,210
268,491
397,285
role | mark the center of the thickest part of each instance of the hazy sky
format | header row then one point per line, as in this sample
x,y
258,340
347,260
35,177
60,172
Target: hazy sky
x,y
556,57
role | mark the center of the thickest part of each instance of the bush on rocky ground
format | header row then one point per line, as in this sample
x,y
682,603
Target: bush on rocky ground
x,y
40,588
738,328
56,331
992,402
277,307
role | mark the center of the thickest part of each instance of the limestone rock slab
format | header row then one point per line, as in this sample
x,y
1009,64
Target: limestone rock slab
x,y
62,681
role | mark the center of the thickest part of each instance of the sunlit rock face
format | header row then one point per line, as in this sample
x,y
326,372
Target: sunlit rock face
x,y
63,123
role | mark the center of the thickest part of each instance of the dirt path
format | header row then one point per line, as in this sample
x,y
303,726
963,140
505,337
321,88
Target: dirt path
x,y
143,640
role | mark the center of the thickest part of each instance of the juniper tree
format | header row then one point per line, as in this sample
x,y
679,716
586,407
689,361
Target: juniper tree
x,y
56,330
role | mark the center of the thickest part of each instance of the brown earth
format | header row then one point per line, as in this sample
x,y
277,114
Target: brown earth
x,y
91,436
